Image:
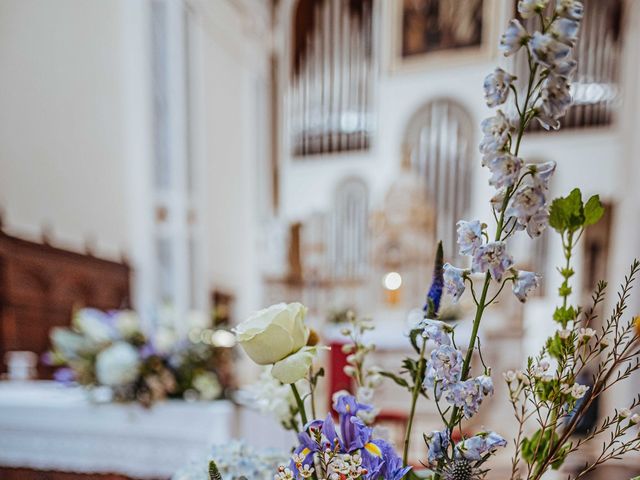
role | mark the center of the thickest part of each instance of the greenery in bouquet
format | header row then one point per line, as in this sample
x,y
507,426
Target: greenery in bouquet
x,y
109,353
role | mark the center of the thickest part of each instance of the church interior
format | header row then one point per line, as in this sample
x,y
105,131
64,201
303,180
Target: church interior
x,y
194,161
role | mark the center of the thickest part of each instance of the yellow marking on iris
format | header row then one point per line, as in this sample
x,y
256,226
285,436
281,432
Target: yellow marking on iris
x,y
373,449
305,452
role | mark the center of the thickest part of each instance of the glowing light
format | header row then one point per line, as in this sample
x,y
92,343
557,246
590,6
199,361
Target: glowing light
x,y
392,281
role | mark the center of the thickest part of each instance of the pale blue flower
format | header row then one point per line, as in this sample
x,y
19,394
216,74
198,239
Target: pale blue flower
x,y
476,447
443,367
469,236
542,173
486,385
529,8
564,68
454,281
514,37
565,31
537,223
504,167
466,395
436,331
570,9
524,283
437,442
556,96
496,87
496,132
546,50
492,257
526,202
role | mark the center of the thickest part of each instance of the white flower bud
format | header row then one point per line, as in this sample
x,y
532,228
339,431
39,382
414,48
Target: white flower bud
x,y
624,413
564,334
509,376
348,348
635,419
349,371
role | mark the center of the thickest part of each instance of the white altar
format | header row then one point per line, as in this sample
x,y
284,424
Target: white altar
x,y
45,426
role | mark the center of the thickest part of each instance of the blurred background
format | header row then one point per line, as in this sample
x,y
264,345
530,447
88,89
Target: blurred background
x,y
223,155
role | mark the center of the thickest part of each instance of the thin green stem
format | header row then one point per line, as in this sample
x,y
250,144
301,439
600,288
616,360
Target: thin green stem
x,y
414,400
300,403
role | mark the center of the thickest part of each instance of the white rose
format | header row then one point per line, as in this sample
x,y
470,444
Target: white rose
x,y
274,333
94,324
127,323
117,365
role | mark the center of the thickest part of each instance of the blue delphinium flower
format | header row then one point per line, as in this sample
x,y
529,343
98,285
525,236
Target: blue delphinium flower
x,y
476,447
437,442
454,281
435,292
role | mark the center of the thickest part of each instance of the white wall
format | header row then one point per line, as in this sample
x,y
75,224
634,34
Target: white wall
x,y
61,122
234,68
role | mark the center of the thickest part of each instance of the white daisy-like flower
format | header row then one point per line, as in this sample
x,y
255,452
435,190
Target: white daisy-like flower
x,y
586,333
578,391
496,87
514,37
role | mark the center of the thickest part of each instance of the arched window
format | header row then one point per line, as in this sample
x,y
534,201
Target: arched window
x,y
330,86
348,244
438,147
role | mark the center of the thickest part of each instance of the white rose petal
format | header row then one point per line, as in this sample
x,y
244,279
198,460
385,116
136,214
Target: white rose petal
x,y
294,367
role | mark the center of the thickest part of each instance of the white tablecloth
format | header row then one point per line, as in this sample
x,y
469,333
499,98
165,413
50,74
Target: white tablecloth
x,y
49,427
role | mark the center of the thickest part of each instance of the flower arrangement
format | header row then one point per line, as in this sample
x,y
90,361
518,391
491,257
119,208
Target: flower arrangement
x,y
548,400
109,353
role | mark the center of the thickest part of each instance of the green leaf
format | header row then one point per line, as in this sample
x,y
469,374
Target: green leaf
x,y
396,378
567,213
593,210
413,338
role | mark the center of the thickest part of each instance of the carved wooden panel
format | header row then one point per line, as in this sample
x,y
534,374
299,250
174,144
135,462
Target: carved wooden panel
x,y
40,285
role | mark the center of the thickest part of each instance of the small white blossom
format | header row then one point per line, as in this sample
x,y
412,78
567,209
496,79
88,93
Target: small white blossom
x,y
565,31
514,37
624,413
586,333
578,391
564,333
510,376
635,419
469,236
454,281
529,8
546,50
525,282
496,87
570,9
504,167
492,257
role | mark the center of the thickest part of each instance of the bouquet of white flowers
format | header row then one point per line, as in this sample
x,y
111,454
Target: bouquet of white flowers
x,y
109,353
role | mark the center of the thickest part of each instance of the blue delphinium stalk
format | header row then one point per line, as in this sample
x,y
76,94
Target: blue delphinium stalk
x,y
432,306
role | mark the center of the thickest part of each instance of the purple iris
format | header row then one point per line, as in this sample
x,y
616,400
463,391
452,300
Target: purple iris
x,y
378,456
